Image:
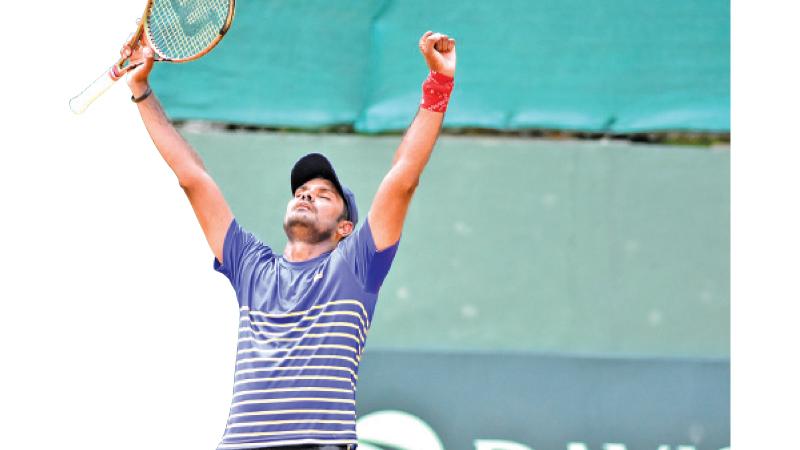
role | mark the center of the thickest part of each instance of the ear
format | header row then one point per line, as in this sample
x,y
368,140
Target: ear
x,y
345,228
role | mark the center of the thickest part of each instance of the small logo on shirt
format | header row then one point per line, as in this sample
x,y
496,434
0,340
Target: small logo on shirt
x,y
317,276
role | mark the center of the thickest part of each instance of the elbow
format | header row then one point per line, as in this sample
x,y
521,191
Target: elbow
x,y
412,186
408,186
403,179
188,181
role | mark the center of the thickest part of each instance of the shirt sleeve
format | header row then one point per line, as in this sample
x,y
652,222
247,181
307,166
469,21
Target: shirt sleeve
x,y
241,252
369,265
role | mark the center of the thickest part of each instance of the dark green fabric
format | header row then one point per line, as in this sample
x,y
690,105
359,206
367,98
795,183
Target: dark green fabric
x,y
621,65
299,63
617,66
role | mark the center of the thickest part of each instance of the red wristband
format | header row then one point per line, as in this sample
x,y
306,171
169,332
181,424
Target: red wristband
x,y
436,92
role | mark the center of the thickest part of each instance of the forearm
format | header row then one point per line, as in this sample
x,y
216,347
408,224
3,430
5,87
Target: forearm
x,y
417,145
389,208
178,154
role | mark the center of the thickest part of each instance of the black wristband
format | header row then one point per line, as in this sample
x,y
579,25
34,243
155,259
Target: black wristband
x,y
143,96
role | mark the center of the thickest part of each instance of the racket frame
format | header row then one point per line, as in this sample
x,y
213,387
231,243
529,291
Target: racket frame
x,y
80,102
143,34
225,27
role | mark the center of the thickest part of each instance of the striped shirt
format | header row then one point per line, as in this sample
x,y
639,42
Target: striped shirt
x,y
302,330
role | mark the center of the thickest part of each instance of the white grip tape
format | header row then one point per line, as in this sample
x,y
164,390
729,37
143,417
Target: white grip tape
x,y
80,102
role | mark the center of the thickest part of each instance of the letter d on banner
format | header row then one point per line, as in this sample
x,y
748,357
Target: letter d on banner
x,y
493,444
396,429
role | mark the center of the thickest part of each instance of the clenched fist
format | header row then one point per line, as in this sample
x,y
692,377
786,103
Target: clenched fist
x,y
439,51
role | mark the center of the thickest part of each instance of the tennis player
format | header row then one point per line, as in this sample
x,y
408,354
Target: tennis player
x,y
304,314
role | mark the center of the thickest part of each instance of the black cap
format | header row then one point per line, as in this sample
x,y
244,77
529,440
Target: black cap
x,y
315,165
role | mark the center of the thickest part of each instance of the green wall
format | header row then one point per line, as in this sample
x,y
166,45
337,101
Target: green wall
x,y
510,244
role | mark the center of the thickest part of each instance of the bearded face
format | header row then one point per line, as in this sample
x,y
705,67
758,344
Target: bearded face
x,y
313,215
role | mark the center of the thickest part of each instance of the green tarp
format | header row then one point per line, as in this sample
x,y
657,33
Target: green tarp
x,y
618,66
290,63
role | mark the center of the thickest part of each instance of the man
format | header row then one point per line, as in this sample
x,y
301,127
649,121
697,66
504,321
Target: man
x,y
305,313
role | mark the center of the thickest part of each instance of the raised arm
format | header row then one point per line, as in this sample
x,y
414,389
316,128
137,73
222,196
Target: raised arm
x,y
209,205
388,210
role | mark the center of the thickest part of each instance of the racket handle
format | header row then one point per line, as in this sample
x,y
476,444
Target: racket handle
x,y
80,102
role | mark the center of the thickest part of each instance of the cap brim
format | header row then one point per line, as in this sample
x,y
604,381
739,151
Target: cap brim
x,y
316,165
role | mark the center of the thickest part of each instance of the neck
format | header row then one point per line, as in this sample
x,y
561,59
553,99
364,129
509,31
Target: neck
x,y
298,251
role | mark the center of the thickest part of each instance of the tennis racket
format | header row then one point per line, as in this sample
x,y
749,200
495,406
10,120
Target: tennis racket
x,y
176,30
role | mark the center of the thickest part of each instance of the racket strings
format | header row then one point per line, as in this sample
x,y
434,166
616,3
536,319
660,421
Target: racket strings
x,y
181,29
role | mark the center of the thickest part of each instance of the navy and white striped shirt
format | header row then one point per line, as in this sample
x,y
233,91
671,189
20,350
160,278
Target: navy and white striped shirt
x,y
302,330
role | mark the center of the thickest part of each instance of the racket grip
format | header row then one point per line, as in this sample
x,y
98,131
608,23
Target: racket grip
x,y
80,102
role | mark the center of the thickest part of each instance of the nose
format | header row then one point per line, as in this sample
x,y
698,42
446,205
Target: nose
x,y
306,196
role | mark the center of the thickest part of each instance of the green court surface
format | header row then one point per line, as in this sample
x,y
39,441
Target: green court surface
x,y
512,244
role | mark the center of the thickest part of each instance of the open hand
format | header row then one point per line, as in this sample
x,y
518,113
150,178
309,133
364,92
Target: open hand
x,y
439,51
